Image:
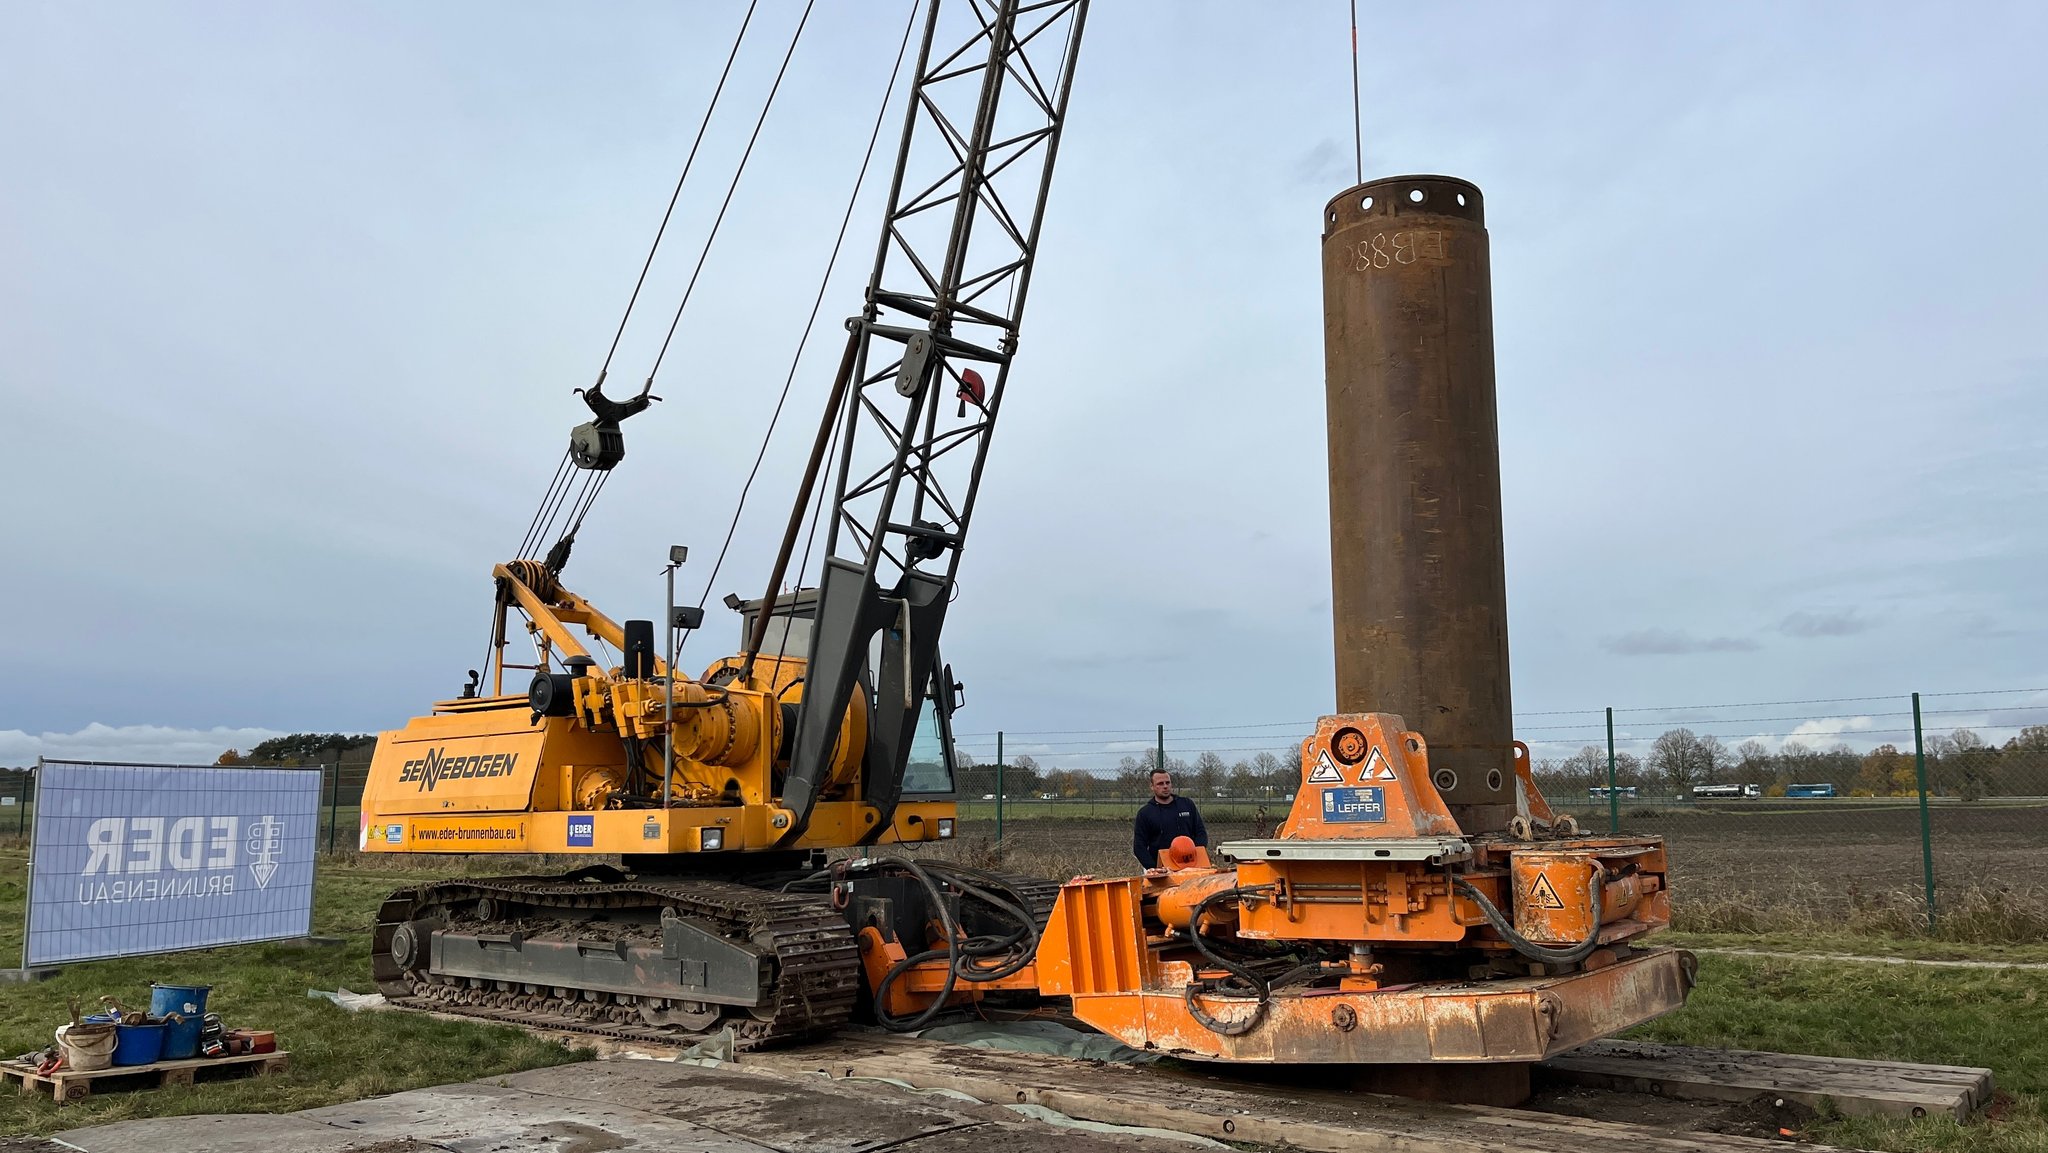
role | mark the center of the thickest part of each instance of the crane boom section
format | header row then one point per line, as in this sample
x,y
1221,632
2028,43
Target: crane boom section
x,y
932,355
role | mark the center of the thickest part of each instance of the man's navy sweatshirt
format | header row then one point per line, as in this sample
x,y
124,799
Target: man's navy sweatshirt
x,y
1157,825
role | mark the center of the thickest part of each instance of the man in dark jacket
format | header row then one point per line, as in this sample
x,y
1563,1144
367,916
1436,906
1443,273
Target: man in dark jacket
x,y
1163,818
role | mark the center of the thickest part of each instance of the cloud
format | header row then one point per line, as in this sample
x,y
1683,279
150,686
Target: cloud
x,y
154,744
1981,626
1327,165
1841,623
1809,731
1666,642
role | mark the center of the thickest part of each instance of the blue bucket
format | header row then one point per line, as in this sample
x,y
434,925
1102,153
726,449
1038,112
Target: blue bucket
x,y
188,1001
138,1044
181,1038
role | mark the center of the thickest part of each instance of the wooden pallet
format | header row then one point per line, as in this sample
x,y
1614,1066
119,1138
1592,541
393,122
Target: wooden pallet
x,y
1881,1088
68,1085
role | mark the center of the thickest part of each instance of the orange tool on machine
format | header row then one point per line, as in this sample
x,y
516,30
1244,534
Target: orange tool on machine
x,y
1370,929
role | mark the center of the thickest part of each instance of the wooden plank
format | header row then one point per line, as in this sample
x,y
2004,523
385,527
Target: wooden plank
x,y
68,1085
1856,1087
1322,1121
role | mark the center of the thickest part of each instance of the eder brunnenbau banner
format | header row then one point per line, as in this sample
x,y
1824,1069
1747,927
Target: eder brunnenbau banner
x,y
133,859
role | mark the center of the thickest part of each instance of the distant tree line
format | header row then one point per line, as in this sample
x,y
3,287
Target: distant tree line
x,y
1960,764
304,749
1267,776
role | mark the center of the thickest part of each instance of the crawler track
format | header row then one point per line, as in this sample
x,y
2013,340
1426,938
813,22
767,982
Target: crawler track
x,y
813,989
816,968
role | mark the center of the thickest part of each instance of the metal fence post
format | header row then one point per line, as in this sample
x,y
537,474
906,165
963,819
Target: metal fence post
x,y
1613,787
1161,763
334,803
1926,823
21,818
999,790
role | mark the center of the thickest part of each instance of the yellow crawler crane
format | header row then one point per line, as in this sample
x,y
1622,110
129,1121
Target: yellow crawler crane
x,y
716,794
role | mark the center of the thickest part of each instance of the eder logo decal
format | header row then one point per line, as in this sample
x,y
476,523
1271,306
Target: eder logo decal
x,y
1326,771
1542,895
582,830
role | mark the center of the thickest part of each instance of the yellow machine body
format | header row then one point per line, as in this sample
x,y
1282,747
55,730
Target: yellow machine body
x,y
493,774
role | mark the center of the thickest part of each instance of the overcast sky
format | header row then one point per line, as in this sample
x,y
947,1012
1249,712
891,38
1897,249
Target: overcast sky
x,y
292,298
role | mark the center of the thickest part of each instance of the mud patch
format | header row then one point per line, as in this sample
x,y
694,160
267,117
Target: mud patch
x,y
1764,1115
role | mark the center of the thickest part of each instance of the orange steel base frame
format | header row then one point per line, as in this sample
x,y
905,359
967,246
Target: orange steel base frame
x,y
1372,879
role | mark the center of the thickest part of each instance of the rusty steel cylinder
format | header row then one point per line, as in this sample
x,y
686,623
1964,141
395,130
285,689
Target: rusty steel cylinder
x,y
1417,571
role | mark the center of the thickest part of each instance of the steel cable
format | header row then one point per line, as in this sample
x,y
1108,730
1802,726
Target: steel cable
x,y
817,303
544,517
702,126
730,189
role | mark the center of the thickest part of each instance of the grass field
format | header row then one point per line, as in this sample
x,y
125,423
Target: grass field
x,y
336,1056
1997,1018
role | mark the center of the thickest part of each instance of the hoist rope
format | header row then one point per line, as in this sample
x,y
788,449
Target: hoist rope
x,y
543,523
811,537
673,196
1357,128
594,483
542,517
817,303
730,189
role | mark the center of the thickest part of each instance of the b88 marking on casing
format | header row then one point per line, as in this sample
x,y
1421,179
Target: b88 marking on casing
x,y
1415,246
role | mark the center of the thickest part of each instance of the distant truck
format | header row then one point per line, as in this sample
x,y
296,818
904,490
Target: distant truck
x,y
1809,790
1711,792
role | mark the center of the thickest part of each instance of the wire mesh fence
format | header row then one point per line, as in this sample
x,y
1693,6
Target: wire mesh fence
x,y
1899,814
342,780
1834,815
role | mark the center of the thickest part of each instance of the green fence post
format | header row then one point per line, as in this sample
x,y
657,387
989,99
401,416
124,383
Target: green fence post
x,y
999,790
1161,762
1926,824
1613,788
21,818
334,803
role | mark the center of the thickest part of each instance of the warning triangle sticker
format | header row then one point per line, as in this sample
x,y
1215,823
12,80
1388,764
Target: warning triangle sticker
x,y
1376,768
1326,771
1542,895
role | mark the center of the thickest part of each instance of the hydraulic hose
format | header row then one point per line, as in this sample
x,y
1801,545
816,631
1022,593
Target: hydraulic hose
x,y
982,958
1257,988
1547,954
951,952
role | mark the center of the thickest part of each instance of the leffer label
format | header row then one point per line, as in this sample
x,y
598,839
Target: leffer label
x,y
583,831
1366,803
437,766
